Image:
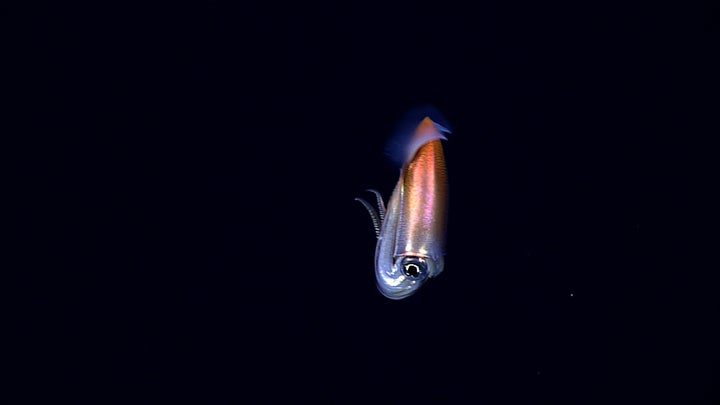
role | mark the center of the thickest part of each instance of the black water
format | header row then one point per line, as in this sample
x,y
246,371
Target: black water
x,y
189,232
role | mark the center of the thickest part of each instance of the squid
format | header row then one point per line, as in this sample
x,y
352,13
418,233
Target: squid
x,y
411,230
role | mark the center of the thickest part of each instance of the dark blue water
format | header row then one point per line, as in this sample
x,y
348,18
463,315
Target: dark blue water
x,y
190,234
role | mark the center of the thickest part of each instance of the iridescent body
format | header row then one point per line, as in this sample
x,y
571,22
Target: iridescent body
x,y
411,231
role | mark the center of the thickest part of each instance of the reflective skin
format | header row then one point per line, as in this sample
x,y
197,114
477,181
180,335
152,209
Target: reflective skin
x,y
411,231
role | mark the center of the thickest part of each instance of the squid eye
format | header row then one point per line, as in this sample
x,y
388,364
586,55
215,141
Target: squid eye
x,y
414,267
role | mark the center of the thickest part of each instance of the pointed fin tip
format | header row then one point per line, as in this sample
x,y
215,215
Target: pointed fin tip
x,y
416,128
439,127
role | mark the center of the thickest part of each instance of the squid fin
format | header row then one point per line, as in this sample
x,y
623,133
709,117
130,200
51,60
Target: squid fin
x,y
417,128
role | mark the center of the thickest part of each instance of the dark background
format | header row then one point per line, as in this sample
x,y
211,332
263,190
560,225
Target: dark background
x,y
189,232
